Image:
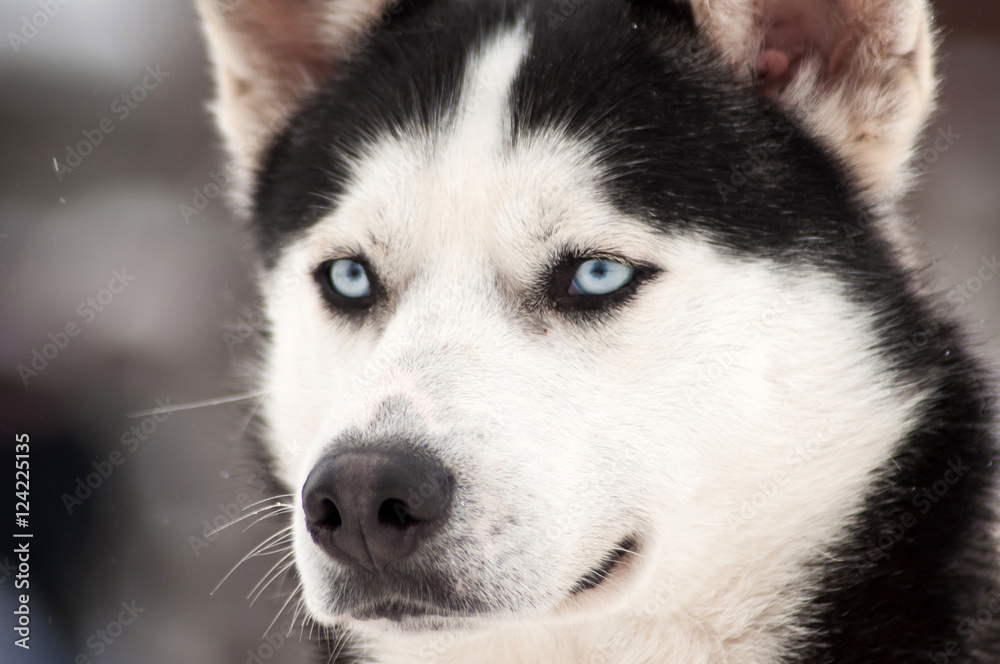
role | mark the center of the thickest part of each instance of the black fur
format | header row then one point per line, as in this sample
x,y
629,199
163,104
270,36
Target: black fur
x,y
687,145
921,561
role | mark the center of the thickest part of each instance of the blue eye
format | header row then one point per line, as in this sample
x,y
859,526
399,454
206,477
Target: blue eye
x,y
600,277
349,279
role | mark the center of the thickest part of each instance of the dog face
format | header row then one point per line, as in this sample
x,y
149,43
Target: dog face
x,y
555,303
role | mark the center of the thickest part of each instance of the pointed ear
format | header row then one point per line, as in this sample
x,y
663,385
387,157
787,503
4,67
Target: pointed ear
x,y
859,74
269,54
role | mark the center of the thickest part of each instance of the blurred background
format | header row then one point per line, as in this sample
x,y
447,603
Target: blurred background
x,y
124,286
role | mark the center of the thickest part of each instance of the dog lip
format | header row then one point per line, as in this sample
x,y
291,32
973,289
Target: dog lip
x,y
612,559
396,610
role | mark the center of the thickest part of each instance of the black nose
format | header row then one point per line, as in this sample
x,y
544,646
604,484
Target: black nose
x,y
374,507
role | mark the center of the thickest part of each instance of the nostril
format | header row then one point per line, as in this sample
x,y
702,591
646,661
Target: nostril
x,y
322,512
329,515
395,513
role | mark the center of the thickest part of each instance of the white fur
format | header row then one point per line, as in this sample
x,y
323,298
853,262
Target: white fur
x,y
722,379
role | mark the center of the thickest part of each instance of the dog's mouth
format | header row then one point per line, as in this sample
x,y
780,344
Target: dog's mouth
x,y
420,614
403,596
614,560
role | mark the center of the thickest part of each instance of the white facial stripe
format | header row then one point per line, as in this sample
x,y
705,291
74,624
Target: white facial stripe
x,y
482,120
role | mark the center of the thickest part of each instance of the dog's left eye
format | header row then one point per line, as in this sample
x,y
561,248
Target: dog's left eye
x,y
350,279
600,277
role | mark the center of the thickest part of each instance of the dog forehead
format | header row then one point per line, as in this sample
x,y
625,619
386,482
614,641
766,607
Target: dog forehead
x,y
428,96
466,186
532,199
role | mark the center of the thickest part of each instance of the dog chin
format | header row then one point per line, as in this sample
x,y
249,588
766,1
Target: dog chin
x,y
368,622
413,625
400,615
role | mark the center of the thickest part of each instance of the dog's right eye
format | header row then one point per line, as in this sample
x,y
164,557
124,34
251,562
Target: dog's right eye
x,y
600,277
591,284
346,284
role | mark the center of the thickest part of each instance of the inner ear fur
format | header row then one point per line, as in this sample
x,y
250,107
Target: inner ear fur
x,y
858,74
269,54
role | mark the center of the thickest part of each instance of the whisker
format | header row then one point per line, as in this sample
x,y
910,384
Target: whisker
x,y
333,653
248,420
339,644
270,515
295,614
264,500
611,581
827,555
218,530
273,579
280,611
267,574
284,532
162,410
628,552
313,626
276,547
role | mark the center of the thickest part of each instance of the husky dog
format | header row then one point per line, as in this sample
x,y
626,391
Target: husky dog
x,y
596,334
